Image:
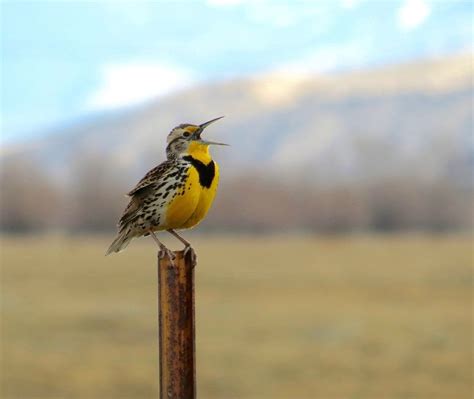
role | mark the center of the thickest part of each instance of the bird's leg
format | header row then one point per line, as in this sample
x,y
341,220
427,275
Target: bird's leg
x,y
187,245
163,249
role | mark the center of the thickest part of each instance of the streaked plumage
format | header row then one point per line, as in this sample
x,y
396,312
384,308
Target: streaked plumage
x,y
176,194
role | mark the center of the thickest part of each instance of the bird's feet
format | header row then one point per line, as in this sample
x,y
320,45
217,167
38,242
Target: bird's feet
x,y
166,253
189,249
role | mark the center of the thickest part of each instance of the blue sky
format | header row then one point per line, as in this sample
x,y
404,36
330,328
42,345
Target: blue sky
x,y
66,60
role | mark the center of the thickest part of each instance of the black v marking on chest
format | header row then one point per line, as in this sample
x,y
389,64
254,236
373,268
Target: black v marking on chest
x,y
206,172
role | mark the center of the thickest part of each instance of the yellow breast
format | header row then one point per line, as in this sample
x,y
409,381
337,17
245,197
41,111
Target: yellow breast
x,y
191,205
184,202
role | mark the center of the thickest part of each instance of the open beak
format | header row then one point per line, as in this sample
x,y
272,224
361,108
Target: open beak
x,y
203,126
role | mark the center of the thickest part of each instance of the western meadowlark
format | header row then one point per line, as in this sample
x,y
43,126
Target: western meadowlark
x,y
176,194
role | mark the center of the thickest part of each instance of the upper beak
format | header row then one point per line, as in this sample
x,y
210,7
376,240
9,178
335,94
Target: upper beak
x,y
203,126
206,124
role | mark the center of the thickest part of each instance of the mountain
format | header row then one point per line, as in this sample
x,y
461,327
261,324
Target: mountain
x,y
415,116
411,121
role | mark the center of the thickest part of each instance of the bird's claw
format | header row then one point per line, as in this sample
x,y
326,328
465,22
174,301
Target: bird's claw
x,y
166,253
189,249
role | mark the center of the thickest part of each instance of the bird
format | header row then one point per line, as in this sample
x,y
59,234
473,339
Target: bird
x,y
177,194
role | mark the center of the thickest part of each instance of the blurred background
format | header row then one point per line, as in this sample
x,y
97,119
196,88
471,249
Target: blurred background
x,y
346,197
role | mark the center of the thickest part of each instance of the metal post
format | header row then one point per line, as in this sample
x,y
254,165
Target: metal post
x,y
176,327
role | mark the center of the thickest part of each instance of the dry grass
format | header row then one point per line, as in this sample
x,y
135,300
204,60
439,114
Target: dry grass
x,y
307,317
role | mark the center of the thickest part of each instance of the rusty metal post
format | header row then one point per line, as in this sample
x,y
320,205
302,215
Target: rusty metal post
x,y
176,327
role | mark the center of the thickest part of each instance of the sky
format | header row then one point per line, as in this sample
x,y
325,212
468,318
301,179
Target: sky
x,y
66,60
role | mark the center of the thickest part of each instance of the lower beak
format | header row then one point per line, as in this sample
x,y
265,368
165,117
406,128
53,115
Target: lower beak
x,y
211,142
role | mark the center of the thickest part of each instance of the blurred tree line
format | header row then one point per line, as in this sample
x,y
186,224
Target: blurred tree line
x,y
92,199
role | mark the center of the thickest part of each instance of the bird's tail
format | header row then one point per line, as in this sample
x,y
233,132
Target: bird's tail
x,y
121,241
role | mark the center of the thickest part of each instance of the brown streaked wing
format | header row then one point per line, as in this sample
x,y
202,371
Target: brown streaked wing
x,y
151,177
142,190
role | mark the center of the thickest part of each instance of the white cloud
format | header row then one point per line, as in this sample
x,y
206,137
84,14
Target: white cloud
x,y
412,14
134,82
327,59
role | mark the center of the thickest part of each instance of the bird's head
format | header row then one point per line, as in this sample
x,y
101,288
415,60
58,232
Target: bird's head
x,y
186,138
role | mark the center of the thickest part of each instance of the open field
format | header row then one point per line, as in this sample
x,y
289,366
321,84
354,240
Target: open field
x,y
297,317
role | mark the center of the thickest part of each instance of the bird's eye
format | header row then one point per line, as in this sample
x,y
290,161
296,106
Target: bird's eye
x,y
186,134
